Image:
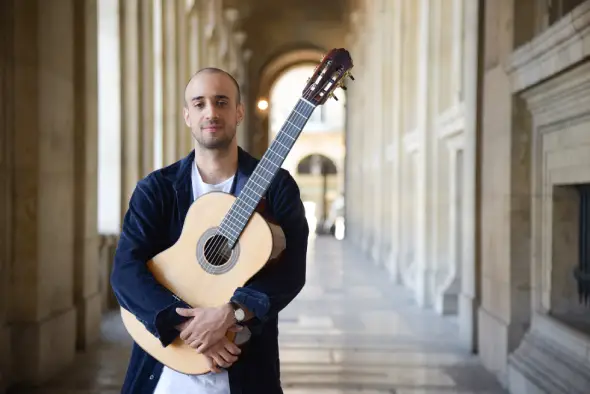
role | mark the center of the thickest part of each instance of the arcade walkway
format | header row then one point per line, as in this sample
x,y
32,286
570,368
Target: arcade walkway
x,y
349,331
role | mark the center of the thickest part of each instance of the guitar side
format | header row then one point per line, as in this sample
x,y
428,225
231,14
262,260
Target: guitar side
x,y
182,269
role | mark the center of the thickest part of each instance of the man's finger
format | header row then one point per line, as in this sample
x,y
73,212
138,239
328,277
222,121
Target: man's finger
x,y
233,348
220,361
203,347
212,365
227,356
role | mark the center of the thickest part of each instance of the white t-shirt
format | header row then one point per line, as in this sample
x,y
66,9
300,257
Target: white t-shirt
x,y
172,382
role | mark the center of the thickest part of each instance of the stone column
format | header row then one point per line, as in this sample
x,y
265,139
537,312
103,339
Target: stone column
x,y
131,82
147,101
423,200
42,311
504,313
470,282
6,184
170,89
184,144
395,148
377,18
212,33
86,263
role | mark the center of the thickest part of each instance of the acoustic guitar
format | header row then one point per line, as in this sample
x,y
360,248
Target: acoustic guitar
x,y
224,240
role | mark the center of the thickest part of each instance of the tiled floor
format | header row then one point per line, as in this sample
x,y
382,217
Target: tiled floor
x,y
349,331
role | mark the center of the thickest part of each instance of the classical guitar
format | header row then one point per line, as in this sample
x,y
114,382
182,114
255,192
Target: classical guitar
x,y
225,241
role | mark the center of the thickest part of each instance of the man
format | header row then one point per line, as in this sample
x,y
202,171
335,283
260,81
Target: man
x,y
153,223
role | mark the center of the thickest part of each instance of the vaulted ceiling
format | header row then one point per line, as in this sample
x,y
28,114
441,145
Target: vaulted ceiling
x,y
274,27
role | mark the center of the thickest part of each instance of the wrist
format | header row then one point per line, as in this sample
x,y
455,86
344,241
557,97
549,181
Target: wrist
x,y
229,318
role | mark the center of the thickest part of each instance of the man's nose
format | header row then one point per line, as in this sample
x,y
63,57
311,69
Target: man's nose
x,y
211,112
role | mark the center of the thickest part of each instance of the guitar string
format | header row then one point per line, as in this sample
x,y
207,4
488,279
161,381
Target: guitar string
x,y
220,241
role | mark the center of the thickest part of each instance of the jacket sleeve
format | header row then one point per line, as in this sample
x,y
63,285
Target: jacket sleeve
x,y
143,236
277,284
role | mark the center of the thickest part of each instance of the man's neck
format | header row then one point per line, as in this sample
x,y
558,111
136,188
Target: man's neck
x,y
215,166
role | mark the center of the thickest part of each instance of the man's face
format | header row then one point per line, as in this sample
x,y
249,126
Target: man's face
x,y
212,112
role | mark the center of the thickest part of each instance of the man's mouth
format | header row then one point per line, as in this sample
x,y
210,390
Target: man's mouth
x,y
212,127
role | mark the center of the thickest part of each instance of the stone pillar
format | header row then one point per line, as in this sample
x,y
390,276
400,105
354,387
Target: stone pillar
x,y
131,83
212,34
377,17
395,148
182,74
147,104
423,201
86,263
469,268
6,184
171,92
504,313
42,313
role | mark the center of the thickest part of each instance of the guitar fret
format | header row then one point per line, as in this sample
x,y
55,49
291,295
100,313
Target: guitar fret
x,y
269,165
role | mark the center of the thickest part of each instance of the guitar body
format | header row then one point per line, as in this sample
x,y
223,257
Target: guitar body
x,y
195,273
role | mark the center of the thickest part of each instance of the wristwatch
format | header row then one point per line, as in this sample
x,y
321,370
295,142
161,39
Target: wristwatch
x,y
239,313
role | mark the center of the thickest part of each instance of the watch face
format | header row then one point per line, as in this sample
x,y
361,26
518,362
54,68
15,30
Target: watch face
x,y
239,314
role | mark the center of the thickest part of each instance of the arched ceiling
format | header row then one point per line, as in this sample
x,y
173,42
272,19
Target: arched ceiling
x,y
274,27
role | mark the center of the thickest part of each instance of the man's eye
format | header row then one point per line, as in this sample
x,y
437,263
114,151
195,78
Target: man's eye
x,y
222,103
199,105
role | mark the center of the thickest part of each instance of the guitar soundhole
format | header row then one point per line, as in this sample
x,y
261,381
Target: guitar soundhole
x,y
213,254
216,250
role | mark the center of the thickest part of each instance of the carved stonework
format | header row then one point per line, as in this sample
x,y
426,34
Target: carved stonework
x,y
561,46
553,356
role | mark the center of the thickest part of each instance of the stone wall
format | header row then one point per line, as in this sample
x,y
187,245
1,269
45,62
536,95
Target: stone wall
x,y
552,75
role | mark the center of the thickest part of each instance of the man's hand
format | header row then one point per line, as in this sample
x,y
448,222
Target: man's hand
x,y
206,326
222,354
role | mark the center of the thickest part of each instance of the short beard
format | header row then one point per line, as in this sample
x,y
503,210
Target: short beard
x,y
217,144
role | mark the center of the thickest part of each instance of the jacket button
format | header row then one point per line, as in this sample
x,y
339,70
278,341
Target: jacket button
x,y
151,377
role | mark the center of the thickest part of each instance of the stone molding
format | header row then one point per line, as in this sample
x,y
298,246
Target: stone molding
x,y
564,98
562,45
451,121
553,357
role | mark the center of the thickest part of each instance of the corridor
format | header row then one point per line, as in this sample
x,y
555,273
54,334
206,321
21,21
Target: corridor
x,y
349,331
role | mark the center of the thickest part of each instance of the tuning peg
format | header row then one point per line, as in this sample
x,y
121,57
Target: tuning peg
x,y
343,87
351,77
334,97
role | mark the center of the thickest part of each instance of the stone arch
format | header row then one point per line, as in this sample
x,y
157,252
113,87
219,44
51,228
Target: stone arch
x,y
317,164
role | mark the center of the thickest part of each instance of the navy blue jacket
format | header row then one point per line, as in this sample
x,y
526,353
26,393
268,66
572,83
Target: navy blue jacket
x,y
153,223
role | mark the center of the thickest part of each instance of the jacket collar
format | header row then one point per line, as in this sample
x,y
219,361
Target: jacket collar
x,y
183,185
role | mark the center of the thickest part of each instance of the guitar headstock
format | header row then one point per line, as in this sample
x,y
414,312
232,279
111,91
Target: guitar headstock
x,y
328,75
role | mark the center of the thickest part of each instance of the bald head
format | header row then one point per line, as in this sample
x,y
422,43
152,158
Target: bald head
x,y
213,70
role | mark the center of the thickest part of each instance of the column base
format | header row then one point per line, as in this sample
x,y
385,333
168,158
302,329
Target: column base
x,y
551,359
447,304
42,349
468,321
89,314
493,344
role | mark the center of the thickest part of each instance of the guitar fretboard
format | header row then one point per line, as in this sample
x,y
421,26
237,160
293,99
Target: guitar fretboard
x,y
238,216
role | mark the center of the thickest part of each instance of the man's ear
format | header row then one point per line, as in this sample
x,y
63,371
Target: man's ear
x,y
185,115
240,113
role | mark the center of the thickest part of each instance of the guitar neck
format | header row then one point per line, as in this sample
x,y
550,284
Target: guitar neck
x,y
238,216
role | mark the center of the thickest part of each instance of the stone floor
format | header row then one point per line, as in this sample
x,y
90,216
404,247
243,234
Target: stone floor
x,y
349,331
